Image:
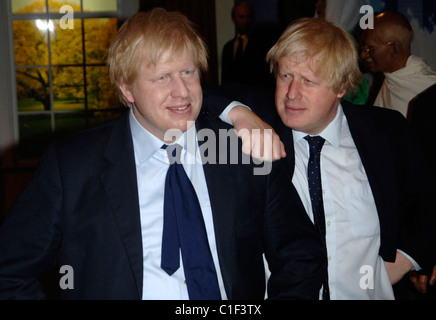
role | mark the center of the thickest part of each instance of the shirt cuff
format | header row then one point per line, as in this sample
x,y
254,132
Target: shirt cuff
x,y
223,115
416,266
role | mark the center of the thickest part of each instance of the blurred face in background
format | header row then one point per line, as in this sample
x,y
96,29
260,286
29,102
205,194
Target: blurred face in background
x,y
242,16
376,52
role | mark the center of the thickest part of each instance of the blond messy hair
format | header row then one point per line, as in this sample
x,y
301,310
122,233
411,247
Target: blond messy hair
x,y
332,48
145,37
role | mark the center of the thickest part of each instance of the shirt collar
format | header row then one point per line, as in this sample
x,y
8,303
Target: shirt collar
x,y
332,133
146,144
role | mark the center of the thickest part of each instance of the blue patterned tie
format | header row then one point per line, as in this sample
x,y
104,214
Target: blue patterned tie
x,y
315,190
184,228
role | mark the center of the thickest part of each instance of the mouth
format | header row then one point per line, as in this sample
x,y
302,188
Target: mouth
x,y
368,62
293,108
180,109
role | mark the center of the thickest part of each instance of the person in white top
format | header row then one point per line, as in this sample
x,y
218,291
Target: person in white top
x,y
387,48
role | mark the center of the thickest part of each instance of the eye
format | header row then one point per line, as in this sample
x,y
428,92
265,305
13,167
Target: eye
x,y
189,72
367,49
162,78
286,77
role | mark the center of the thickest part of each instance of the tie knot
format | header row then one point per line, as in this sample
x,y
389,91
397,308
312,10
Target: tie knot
x,y
174,152
315,143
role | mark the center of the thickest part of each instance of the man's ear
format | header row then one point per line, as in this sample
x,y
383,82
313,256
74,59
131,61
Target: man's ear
x,y
395,47
125,90
341,93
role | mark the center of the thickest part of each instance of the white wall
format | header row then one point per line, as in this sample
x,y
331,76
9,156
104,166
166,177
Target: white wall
x,y
6,110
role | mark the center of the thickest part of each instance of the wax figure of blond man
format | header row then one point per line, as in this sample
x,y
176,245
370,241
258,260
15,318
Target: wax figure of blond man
x,y
97,203
387,48
378,207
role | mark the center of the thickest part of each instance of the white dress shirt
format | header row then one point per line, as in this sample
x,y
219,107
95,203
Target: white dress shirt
x,y
355,269
151,167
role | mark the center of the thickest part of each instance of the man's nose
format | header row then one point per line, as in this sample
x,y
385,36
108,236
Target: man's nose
x,y
179,88
293,90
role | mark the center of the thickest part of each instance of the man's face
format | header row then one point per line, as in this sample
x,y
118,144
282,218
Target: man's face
x,y
303,100
166,95
243,19
375,52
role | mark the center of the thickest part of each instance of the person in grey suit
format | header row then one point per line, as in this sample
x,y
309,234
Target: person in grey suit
x,y
378,202
94,209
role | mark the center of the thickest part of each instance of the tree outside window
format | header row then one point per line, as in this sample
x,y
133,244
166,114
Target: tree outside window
x,y
62,84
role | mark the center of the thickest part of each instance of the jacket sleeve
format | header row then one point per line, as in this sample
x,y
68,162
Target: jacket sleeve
x,y
294,250
419,213
29,235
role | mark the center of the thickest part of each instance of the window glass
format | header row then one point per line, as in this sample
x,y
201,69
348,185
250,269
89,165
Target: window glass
x,y
98,37
66,44
56,5
62,80
68,89
28,6
33,89
39,6
68,123
31,42
99,5
100,92
35,134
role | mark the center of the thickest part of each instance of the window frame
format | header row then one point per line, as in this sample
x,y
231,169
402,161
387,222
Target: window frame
x,y
9,119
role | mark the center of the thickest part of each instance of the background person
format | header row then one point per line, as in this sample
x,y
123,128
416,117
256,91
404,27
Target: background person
x,y
387,48
243,57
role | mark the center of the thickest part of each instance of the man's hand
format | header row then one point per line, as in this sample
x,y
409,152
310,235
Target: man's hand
x,y
420,281
396,270
258,138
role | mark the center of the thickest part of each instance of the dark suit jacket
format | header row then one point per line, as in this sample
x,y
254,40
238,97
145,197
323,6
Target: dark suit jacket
x,y
422,120
403,194
252,68
403,188
81,209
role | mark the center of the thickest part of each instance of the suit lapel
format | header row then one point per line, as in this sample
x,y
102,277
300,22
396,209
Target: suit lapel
x,y
119,182
288,141
221,195
222,199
